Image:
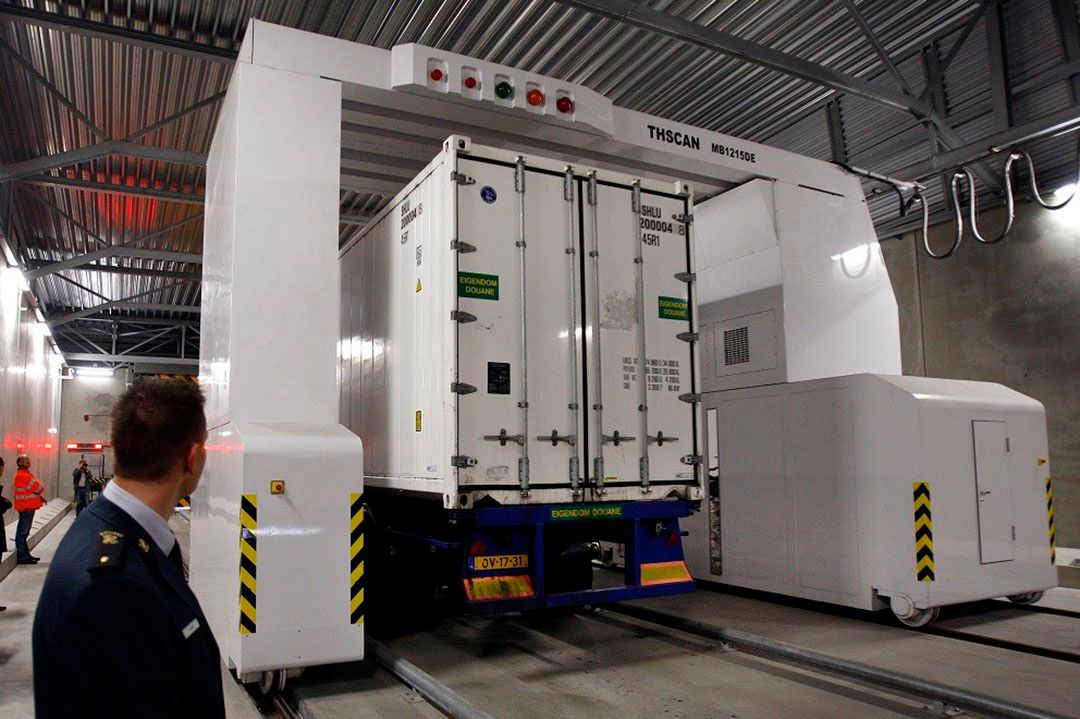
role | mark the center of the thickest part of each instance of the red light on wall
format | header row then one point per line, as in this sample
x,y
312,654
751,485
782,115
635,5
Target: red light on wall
x,y
471,83
98,445
19,446
534,97
72,446
564,104
437,75
48,445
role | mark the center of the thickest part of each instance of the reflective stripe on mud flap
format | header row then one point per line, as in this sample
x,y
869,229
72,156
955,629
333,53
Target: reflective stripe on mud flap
x,y
249,515
356,558
924,532
664,573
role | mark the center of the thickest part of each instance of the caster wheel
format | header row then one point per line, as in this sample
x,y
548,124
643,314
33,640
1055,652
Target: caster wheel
x,y
272,682
1028,598
919,617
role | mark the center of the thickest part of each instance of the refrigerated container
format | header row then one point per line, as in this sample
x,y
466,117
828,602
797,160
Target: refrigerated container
x,y
518,354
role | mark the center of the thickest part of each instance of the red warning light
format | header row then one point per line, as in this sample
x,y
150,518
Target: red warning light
x,y
535,97
471,83
564,104
97,445
71,446
19,446
48,445
437,75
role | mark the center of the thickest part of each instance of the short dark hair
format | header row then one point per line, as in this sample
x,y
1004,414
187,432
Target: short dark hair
x,y
153,424
1,461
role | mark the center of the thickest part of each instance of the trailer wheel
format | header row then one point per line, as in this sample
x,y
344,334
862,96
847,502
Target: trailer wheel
x,y
1028,598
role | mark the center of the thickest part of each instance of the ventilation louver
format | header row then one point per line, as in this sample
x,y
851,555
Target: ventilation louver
x,y
737,346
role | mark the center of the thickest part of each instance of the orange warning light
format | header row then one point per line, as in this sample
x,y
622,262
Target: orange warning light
x,y
277,486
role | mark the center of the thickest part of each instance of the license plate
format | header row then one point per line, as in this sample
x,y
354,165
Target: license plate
x,y
498,561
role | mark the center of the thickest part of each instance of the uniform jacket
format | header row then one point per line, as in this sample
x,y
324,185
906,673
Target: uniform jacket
x,y
114,603
28,491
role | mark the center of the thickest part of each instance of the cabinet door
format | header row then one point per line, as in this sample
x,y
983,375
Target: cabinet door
x,y
993,493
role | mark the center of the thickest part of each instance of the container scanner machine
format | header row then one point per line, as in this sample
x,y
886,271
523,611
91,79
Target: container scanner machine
x,y
306,118
835,479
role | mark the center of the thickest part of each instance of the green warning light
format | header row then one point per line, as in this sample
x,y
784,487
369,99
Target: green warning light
x,y
504,90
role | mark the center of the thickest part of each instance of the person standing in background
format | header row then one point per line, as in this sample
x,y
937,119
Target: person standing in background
x,y
29,498
81,479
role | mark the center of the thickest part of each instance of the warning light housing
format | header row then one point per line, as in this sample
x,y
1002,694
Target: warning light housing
x,y
564,104
471,83
437,75
504,90
535,97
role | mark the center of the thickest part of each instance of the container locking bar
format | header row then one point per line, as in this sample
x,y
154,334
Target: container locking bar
x,y
643,378
523,460
555,438
571,328
598,406
659,438
616,439
502,438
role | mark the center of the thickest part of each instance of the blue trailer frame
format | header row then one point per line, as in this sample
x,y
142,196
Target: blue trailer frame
x,y
651,537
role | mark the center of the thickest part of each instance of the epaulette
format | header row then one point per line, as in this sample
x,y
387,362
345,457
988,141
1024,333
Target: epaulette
x,y
108,553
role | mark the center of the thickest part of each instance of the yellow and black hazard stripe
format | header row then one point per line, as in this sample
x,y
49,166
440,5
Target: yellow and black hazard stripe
x,y
1050,519
924,533
194,379
356,558
249,516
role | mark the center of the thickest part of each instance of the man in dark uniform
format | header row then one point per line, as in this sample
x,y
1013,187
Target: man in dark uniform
x,y
118,633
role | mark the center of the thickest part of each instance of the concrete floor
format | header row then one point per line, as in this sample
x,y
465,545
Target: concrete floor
x,y
19,591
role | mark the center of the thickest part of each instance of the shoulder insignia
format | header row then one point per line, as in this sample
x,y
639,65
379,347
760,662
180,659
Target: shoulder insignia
x,y
108,553
144,545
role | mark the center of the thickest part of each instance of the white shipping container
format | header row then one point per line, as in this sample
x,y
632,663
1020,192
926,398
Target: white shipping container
x,y
471,361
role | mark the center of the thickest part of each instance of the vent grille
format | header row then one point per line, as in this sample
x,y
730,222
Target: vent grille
x,y
737,346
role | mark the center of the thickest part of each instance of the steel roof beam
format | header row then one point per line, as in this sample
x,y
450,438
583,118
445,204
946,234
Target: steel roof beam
x,y
646,18
115,189
90,357
123,304
860,20
132,252
66,23
79,155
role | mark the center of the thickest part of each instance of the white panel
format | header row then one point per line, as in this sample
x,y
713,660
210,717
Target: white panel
x,y
736,242
30,390
995,496
272,220
840,314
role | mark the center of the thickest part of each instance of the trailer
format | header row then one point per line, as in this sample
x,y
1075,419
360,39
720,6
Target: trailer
x,y
518,359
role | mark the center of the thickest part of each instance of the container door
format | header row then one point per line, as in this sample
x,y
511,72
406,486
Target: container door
x,y
994,496
517,360
639,354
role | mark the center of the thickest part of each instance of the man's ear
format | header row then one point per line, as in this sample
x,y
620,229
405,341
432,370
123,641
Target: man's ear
x,y
191,458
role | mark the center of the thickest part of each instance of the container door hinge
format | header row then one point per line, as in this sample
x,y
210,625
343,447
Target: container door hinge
x,y
690,398
461,178
461,388
555,438
462,247
462,316
659,439
687,277
688,336
462,461
683,218
691,459
502,438
616,439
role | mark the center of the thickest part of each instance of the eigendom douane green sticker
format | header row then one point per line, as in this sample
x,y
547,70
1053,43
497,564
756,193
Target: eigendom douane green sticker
x,y
477,286
587,511
673,308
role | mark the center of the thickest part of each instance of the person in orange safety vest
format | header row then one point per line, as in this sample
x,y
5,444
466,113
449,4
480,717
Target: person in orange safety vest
x,y
29,497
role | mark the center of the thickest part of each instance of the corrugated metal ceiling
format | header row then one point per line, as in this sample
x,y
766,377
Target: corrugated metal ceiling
x,y
121,86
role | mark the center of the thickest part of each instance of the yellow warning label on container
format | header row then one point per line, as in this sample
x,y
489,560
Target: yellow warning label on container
x,y
419,421
418,285
356,558
249,560
924,533
1050,516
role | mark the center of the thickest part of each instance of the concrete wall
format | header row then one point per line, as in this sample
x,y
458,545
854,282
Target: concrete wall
x,y
91,397
29,388
1007,313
